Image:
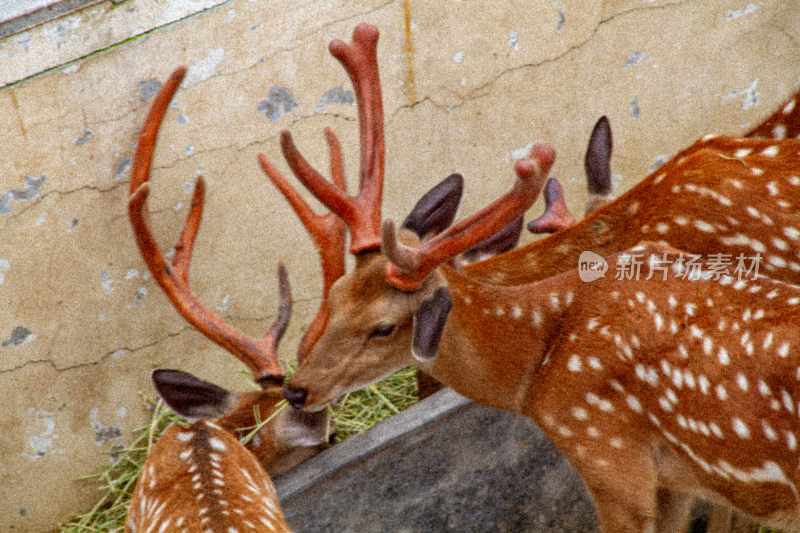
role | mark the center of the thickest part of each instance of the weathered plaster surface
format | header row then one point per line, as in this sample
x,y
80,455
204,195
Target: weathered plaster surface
x,y
78,35
81,321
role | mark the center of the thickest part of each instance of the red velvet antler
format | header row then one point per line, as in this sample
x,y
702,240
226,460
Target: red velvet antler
x,y
362,213
328,232
556,216
260,356
409,266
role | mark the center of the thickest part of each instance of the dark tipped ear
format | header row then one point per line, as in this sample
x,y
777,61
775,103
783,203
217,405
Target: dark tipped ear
x,y
429,323
598,158
435,211
502,241
191,397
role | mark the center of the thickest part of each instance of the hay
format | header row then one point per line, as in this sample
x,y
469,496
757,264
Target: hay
x,y
117,480
353,414
358,411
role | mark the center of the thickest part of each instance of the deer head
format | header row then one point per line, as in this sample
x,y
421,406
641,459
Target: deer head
x,y
394,300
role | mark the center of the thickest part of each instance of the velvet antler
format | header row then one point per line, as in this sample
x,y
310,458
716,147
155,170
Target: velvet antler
x,y
259,355
327,231
362,213
556,216
407,266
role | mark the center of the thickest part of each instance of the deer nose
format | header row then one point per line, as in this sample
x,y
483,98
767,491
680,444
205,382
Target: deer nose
x,y
296,396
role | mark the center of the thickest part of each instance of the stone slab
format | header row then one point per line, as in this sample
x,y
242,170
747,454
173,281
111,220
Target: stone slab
x,y
444,464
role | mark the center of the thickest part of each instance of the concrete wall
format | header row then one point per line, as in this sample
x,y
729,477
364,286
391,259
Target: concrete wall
x,y
466,87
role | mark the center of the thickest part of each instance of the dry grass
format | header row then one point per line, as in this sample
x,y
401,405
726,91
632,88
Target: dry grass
x,y
354,414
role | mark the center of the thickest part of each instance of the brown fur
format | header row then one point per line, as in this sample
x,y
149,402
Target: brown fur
x,y
679,188
201,478
496,351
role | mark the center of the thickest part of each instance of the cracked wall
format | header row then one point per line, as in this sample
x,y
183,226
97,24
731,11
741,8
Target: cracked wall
x,y
82,322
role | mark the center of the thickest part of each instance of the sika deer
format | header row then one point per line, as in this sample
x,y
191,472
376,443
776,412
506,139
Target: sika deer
x,y
527,348
661,391
722,195
201,477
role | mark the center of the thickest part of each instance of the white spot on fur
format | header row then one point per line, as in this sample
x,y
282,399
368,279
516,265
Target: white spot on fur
x,y
740,428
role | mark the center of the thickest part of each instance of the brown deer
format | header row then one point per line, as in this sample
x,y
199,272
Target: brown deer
x,y
647,407
202,477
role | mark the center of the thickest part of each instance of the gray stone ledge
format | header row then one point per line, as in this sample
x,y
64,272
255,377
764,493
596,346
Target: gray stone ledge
x,y
444,464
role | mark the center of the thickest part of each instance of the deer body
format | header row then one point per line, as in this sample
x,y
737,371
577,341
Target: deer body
x,y
201,478
657,391
693,390
722,195
689,386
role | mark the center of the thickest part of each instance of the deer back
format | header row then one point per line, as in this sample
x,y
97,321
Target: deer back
x,y
723,195
201,478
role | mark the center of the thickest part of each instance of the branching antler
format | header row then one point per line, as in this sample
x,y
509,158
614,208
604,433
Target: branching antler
x,y
327,231
407,266
260,356
362,213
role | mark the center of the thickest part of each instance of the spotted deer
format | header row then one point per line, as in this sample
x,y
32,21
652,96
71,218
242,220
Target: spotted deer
x,y
597,165
202,478
647,407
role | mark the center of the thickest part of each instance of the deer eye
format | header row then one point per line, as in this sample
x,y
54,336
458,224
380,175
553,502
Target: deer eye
x,y
381,330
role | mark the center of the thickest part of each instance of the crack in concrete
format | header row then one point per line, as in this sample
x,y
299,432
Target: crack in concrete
x,y
132,350
21,209
97,361
482,90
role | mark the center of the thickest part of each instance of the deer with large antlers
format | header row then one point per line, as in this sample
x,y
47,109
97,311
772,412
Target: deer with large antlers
x,y
640,382
202,478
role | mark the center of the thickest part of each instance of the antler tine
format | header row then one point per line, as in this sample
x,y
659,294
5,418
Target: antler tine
x,y
327,231
362,213
556,216
260,356
360,60
281,321
407,266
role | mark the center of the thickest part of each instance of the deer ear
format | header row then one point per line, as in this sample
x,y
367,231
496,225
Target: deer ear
x,y
429,323
191,397
502,241
598,158
435,211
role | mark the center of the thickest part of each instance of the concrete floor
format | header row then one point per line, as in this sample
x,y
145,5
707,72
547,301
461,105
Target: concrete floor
x,y
465,89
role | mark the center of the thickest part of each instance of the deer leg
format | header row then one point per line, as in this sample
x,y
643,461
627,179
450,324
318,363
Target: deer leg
x,y
616,513
625,499
674,509
720,519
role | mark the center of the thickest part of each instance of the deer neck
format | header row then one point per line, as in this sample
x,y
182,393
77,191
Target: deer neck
x,y
496,338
